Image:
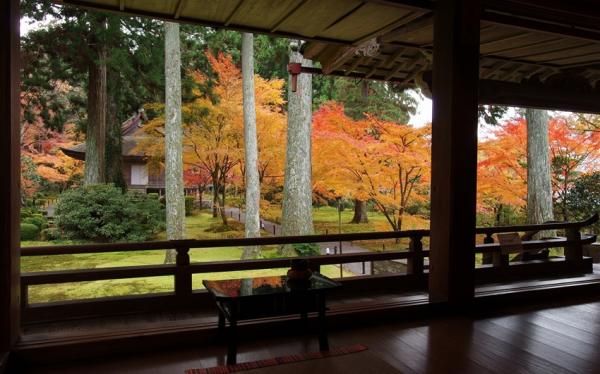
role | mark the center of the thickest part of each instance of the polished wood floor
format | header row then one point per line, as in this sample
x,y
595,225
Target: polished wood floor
x,y
542,338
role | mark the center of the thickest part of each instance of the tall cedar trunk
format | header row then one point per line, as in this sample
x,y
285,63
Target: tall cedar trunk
x,y
173,139
360,212
252,224
95,134
114,135
539,183
296,217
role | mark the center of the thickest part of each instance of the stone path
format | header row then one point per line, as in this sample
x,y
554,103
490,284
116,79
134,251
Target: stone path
x,y
334,247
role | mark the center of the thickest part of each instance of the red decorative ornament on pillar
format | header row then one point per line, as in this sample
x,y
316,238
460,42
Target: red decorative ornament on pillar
x,y
294,69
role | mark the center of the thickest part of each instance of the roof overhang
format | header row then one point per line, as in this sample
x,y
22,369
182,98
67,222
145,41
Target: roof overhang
x,y
547,43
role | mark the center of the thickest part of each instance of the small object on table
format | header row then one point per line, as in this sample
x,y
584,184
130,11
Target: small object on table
x,y
250,298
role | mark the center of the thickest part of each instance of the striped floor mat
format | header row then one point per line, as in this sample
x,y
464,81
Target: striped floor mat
x,y
224,369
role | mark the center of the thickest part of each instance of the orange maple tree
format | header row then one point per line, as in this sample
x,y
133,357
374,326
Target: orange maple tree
x,y
213,128
502,167
42,161
370,159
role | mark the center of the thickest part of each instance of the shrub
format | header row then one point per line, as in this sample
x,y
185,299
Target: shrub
x,y
50,234
307,249
38,220
29,231
105,213
189,205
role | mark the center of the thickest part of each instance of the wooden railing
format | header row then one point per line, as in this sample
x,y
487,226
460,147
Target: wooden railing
x,y
184,294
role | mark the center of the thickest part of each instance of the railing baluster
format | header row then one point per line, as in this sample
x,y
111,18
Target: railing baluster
x,y
183,276
574,252
487,258
415,263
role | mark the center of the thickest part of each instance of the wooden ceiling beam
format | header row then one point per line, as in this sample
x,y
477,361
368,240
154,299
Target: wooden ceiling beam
x,y
526,46
195,21
395,71
339,59
313,49
588,54
388,28
489,72
416,24
178,9
585,14
537,96
287,15
540,26
354,65
233,13
340,18
406,4
568,48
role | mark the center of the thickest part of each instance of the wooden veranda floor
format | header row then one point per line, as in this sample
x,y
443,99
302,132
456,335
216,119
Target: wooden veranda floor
x,y
536,338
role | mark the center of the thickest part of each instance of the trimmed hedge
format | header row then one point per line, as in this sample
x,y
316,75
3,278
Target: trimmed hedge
x,y
29,231
307,249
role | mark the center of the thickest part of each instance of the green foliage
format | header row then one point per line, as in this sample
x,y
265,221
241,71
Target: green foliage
x,y
307,249
29,231
37,220
104,213
360,97
50,234
583,198
189,205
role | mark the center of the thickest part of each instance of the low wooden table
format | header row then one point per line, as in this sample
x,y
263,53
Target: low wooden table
x,y
250,298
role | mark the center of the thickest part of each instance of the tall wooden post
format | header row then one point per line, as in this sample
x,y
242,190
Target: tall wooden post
x,y
9,184
454,151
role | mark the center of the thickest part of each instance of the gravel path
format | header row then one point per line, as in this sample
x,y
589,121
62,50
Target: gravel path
x,y
334,247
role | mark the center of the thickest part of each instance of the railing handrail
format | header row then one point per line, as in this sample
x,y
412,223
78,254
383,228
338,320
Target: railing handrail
x,y
212,243
123,272
538,227
275,240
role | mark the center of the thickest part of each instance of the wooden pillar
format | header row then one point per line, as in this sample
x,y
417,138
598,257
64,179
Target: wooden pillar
x,y
9,183
454,151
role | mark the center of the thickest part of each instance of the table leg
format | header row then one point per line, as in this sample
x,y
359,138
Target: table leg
x,y
221,324
323,340
232,343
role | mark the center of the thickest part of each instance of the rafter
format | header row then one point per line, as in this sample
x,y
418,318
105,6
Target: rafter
x,y
339,59
354,65
414,25
287,15
233,13
121,5
386,62
388,28
340,19
540,26
179,8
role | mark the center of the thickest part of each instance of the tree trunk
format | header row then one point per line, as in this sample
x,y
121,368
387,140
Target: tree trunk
x,y
360,212
114,135
96,120
539,184
215,198
296,218
173,139
252,223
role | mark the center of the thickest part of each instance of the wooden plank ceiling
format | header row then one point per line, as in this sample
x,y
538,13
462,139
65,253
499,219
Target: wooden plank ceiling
x,y
521,40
